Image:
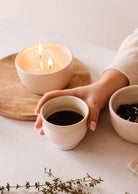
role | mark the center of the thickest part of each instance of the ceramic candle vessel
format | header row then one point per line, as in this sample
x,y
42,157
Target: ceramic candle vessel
x,y
69,136
44,67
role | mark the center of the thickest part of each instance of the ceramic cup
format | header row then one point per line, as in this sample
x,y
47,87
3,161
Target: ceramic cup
x,y
69,136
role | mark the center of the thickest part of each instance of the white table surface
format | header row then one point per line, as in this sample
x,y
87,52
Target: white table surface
x,y
24,153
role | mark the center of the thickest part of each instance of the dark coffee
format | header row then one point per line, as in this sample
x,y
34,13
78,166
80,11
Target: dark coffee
x,y
64,118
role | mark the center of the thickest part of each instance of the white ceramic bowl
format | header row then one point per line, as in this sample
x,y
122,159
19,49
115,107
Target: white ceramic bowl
x,y
45,82
126,129
65,137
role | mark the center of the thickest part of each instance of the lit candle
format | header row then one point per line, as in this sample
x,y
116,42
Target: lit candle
x,y
44,67
42,59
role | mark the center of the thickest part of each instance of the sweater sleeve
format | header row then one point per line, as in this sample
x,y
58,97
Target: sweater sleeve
x,y
126,60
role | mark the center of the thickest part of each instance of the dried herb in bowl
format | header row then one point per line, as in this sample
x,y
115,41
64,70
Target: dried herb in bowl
x,y
128,112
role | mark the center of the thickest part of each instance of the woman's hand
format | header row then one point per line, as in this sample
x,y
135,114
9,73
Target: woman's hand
x,y
90,94
95,95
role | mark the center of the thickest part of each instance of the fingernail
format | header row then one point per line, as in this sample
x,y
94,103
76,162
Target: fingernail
x,y
42,132
93,125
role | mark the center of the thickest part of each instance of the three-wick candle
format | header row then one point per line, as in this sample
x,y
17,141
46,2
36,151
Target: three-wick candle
x,y
42,58
43,67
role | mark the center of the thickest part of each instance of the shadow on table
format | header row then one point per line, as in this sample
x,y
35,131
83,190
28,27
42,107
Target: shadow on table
x,y
104,147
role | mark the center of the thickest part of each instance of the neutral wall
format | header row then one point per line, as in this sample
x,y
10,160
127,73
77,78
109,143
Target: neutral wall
x,y
101,22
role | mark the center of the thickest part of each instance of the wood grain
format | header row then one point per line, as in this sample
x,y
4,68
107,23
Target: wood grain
x,y
19,103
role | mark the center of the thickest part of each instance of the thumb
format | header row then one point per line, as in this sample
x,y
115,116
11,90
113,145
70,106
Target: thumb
x,y
93,118
47,96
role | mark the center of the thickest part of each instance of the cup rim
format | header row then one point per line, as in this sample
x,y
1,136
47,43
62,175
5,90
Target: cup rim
x,y
67,126
35,74
111,103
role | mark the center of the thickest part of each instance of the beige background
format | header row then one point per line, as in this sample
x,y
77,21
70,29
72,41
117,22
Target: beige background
x,y
101,22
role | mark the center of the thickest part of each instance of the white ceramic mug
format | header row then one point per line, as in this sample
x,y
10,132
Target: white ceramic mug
x,y
69,136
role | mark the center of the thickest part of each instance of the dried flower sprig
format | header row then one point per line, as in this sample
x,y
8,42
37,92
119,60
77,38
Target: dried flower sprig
x,y
56,185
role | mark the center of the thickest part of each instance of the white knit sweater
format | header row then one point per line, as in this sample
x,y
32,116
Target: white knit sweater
x,y
126,60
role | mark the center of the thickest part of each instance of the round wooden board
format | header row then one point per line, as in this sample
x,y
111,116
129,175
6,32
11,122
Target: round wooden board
x,y
19,103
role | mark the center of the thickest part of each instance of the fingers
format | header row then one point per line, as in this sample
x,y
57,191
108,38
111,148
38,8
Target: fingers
x,y
93,118
50,95
38,122
42,132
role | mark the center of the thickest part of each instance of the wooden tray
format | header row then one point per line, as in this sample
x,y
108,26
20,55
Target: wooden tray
x,y
19,103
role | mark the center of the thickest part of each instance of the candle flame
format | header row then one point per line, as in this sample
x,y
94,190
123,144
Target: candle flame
x,y
41,65
40,53
50,63
40,49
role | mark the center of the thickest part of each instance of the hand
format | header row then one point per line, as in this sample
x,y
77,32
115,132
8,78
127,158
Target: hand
x,y
95,95
90,94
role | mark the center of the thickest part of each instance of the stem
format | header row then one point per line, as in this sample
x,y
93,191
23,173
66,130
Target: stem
x,y
56,185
